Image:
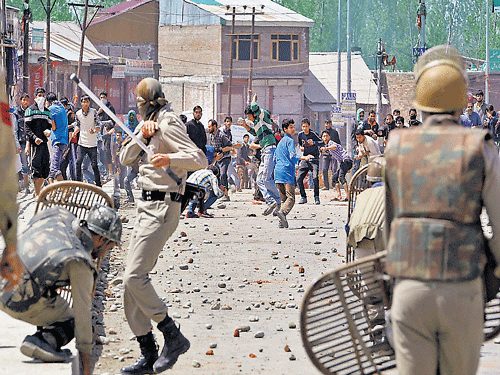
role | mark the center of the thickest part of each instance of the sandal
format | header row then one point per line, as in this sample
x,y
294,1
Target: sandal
x,y
335,199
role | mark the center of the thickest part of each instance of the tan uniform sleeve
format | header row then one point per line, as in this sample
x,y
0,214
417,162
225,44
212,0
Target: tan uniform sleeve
x,y
82,281
186,155
8,185
131,151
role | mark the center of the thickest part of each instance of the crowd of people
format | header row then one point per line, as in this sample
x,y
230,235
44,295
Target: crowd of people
x,y
57,141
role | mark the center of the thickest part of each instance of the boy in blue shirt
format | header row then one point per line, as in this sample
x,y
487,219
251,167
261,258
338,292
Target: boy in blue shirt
x,y
286,158
58,137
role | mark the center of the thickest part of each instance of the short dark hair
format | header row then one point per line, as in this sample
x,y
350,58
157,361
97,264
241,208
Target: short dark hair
x,y
325,132
412,109
490,108
197,107
400,119
372,111
39,90
246,135
51,97
360,132
228,118
104,93
84,98
328,121
396,110
24,95
305,120
389,114
286,123
479,92
215,170
214,123
64,100
183,118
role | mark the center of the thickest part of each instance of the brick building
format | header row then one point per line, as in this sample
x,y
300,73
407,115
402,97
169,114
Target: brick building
x,y
195,56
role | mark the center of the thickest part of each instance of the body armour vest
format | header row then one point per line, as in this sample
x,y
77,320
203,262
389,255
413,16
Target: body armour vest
x,y
51,240
434,179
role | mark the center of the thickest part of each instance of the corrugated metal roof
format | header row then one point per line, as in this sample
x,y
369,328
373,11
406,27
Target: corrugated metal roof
x,y
65,39
273,12
324,66
118,9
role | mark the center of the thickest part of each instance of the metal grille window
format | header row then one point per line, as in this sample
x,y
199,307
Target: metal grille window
x,y
241,47
285,47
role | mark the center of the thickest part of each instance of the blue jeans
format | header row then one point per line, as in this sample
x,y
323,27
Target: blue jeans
x,y
128,187
265,179
58,151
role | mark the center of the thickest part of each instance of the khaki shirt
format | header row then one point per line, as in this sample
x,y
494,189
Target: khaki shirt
x,y
171,138
8,185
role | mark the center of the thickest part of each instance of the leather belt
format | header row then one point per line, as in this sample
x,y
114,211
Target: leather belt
x,y
156,195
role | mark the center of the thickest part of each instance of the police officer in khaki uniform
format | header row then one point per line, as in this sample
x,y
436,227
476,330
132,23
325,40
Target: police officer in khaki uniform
x,y
11,267
58,250
438,178
157,218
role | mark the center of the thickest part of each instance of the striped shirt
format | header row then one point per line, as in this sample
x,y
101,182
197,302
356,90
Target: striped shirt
x,y
263,126
339,153
206,178
36,122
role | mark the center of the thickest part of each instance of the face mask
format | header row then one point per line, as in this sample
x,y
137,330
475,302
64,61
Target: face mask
x,y
40,103
105,101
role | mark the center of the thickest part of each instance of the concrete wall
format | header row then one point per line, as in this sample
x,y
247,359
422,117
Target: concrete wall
x,y
400,91
190,50
134,51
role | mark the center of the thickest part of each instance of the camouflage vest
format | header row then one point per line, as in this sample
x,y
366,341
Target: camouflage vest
x,y
435,175
51,240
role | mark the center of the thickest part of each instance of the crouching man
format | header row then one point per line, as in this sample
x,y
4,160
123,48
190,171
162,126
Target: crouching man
x,y
58,250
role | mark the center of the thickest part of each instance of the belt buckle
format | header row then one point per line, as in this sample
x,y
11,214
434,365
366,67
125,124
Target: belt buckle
x,y
148,194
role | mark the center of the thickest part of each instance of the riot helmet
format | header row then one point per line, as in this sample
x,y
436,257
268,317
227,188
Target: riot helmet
x,y
375,169
441,80
104,221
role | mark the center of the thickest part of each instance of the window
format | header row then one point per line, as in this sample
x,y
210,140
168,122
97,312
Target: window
x,y
285,47
241,47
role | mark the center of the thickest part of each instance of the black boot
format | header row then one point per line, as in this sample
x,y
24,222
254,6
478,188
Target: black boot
x,y
175,345
149,355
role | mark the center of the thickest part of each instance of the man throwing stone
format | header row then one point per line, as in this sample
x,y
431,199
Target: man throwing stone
x,y
157,218
263,129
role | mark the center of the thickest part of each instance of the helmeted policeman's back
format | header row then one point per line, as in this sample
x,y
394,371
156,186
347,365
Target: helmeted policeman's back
x,y
438,177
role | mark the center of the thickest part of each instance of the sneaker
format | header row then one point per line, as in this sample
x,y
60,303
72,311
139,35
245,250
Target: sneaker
x,y
282,218
221,206
224,198
270,208
316,200
255,201
302,200
206,215
36,347
191,215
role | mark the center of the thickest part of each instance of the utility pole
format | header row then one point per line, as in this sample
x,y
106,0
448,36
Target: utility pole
x,y
83,25
348,125
249,100
48,11
230,82
379,82
26,33
339,65
487,70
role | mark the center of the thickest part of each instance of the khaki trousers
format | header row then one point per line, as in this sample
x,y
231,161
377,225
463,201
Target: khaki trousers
x,y
437,324
287,195
156,222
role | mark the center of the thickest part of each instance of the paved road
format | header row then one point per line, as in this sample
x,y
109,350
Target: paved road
x,y
240,260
